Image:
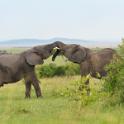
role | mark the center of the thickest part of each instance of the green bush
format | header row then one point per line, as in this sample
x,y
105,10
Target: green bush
x,y
114,82
72,69
52,70
59,71
74,91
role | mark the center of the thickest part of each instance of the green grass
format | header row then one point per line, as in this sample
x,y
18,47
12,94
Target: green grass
x,y
52,108
15,49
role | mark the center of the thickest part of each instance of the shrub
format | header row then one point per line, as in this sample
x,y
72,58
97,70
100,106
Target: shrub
x,y
79,95
114,82
52,70
47,71
60,71
72,69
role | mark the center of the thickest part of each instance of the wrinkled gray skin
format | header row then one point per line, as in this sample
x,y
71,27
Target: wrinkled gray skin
x,y
14,67
90,62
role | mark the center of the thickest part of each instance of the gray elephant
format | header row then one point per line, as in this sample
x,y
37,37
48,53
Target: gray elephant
x,y
92,63
14,67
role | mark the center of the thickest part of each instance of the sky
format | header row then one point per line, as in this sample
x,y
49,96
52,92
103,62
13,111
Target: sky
x,y
45,19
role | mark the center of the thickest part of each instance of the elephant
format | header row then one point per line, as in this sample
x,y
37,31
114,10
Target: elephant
x,y
91,63
14,67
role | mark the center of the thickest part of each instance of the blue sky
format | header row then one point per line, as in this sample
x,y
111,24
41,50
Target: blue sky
x,y
44,19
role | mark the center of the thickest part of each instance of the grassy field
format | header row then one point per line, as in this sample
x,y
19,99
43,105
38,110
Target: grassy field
x,y
14,49
54,108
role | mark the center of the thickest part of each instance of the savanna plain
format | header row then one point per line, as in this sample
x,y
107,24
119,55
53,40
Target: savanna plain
x,y
56,106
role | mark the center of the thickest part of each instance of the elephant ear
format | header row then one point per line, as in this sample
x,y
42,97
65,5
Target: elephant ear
x,y
33,58
78,54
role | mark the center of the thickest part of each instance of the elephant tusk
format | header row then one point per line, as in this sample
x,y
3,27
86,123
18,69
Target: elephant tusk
x,y
56,48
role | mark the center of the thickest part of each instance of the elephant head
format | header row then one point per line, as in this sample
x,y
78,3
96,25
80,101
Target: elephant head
x,y
37,54
73,52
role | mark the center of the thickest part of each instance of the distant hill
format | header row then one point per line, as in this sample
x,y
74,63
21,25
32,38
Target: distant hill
x,y
34,42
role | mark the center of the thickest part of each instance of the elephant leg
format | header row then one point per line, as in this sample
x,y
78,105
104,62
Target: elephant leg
x,y
37,87
28,89
82,85
87,86
1,84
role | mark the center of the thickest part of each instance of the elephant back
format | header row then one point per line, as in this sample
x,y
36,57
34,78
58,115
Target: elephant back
x,y
100,59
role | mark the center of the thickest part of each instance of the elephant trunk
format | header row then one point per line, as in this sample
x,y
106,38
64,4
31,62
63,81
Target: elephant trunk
x,y
56,54
59,48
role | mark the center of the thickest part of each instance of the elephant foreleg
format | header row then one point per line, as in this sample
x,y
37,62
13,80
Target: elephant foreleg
x,y
37,87
82,85
28,89
85,84
1,84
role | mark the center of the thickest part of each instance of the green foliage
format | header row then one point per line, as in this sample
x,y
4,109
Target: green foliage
x,y
52,70
72,69
114,82
47,71
121,49
77,91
